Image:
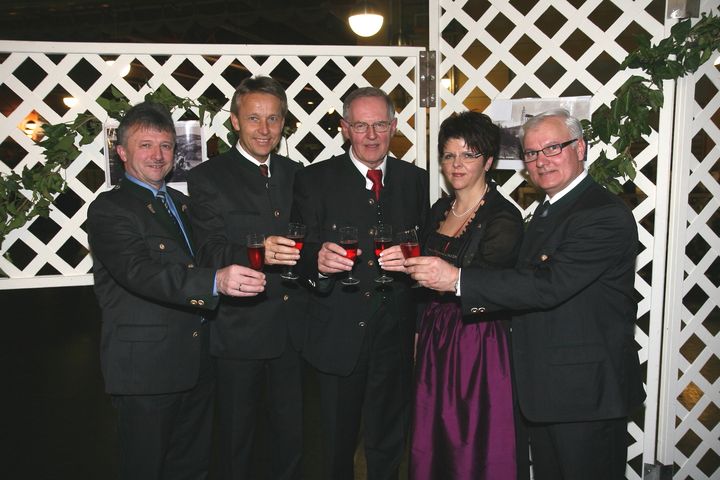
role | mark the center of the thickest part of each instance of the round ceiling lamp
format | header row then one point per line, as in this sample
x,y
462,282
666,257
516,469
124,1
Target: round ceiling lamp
x,y
365,19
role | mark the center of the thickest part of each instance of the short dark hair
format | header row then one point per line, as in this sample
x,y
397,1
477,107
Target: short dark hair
x,y
260,84
145,115
478,131
368,92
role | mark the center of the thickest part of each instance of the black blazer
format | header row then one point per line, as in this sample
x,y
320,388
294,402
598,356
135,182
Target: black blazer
x,y
574,352
230,198
149,291
332,194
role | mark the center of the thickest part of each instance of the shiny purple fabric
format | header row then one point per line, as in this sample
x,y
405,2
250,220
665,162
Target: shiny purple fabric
x,y
463,425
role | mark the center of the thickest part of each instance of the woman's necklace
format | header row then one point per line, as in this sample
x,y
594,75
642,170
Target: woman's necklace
x,y
460,215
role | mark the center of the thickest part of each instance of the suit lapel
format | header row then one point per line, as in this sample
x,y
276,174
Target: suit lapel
x,y
157,211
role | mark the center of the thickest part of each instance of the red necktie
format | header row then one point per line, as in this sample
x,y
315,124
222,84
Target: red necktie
x,y
263,170
376,177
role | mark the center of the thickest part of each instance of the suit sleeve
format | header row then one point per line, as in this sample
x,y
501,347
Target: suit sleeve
x,y
117,241
597,242
214,247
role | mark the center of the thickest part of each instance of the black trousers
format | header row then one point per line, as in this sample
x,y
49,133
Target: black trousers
x,y
240,386
580,450
378,391
168,436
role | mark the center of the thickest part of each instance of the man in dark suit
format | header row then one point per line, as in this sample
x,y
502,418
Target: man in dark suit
x,y
256,344
575,362
360,338
154,341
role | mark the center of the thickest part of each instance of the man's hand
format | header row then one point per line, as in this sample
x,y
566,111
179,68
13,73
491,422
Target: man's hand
x,y
392,259
433,272
331,259
239,281
280,251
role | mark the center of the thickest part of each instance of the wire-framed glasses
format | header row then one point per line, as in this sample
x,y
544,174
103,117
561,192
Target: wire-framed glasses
x,y
362,127
465,157
549,151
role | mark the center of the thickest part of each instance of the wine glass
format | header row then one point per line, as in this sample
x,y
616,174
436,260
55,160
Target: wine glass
x,y
256,250
349,241
383,240
410,247
296,232
409,243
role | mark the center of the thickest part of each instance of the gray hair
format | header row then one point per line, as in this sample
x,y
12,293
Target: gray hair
x,y
573,124
368,92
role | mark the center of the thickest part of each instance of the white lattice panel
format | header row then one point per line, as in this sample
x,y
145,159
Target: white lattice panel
x,y
690,435
53,252
548,49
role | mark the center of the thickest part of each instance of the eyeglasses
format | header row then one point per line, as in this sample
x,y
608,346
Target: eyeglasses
x,y
465,157
549,151
362,127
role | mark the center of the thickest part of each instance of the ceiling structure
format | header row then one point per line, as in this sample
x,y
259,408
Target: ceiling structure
x,y
276,22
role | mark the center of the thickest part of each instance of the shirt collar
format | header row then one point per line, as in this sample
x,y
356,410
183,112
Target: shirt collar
x,y
363,169
251,159
567,189
154,190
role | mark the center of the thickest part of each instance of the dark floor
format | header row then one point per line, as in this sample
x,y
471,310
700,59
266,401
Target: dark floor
x,y
56,421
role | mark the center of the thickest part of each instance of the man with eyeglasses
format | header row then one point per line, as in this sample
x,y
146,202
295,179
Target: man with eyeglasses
x,y
574,356
360,338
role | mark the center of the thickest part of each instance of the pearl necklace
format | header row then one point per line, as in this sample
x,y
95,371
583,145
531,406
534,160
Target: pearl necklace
x,y
460,215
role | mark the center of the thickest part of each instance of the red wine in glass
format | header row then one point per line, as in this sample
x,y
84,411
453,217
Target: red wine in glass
x,y
256,250
410,250
256,255
381,245
296,233
383,240
350,249
349,241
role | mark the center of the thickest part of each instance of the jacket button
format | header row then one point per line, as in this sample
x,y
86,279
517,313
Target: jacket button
x,y
371,263
277,213
193,302
368,294
195,334
161,246
286,297
201,302
371,232
371,201
361,324
543,258
333,227
191,265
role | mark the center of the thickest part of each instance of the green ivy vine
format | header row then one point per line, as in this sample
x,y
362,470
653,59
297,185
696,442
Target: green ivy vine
x,y
637,101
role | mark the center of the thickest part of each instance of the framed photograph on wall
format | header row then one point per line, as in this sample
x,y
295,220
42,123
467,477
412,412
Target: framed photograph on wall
x,y
189,152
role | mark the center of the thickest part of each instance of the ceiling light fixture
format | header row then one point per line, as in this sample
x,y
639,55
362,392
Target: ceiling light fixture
x,y
125,70
365,19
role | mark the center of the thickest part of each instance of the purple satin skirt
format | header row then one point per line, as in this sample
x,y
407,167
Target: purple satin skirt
x,y
463,425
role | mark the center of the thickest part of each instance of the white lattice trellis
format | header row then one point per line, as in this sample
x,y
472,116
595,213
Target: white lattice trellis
x,y
327,73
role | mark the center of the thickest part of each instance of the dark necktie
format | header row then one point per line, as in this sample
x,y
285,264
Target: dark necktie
x,y
376,177
263,170
163,199
543,209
